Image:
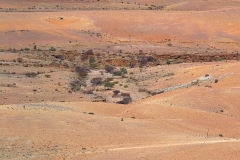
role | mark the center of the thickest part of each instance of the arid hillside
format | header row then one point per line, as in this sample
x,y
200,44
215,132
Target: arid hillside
x,y
162,31
119,79
174,125
61,5
195,109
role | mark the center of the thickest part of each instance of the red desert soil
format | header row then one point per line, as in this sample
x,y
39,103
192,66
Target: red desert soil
x,y
181,124
183,5
192,30
195,116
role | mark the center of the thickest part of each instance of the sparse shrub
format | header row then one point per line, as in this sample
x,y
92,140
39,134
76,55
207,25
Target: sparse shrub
x,y
76,84
142,61
219,59
108,79
93,65
116,92
125,100
117,73
80,80
82,71
125,94
88,91
116,82
123,70
84,57
96,81
66,65
35,47
168,61
150,59
52,49
109,84
47,75
19,60
132,65
125,86
59,56
31,74
89,52
92,60
120,72
27,49
220,135
109,69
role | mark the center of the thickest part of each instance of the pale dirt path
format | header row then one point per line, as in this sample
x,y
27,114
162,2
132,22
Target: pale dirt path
x,y
161,145
175,144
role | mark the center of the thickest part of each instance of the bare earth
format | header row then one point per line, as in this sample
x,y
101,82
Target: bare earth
x,y
181,87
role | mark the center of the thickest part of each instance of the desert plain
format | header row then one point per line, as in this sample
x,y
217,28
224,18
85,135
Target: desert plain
x,y
120,80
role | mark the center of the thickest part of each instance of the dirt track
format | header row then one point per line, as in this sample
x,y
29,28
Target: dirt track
x,y
176,144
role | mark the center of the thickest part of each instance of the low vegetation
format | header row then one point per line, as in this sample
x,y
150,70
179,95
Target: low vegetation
x,y
52,49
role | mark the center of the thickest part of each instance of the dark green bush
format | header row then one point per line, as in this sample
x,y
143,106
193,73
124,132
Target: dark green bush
x,y
92,60
123,70
117,73
109,84
168,61
52,49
